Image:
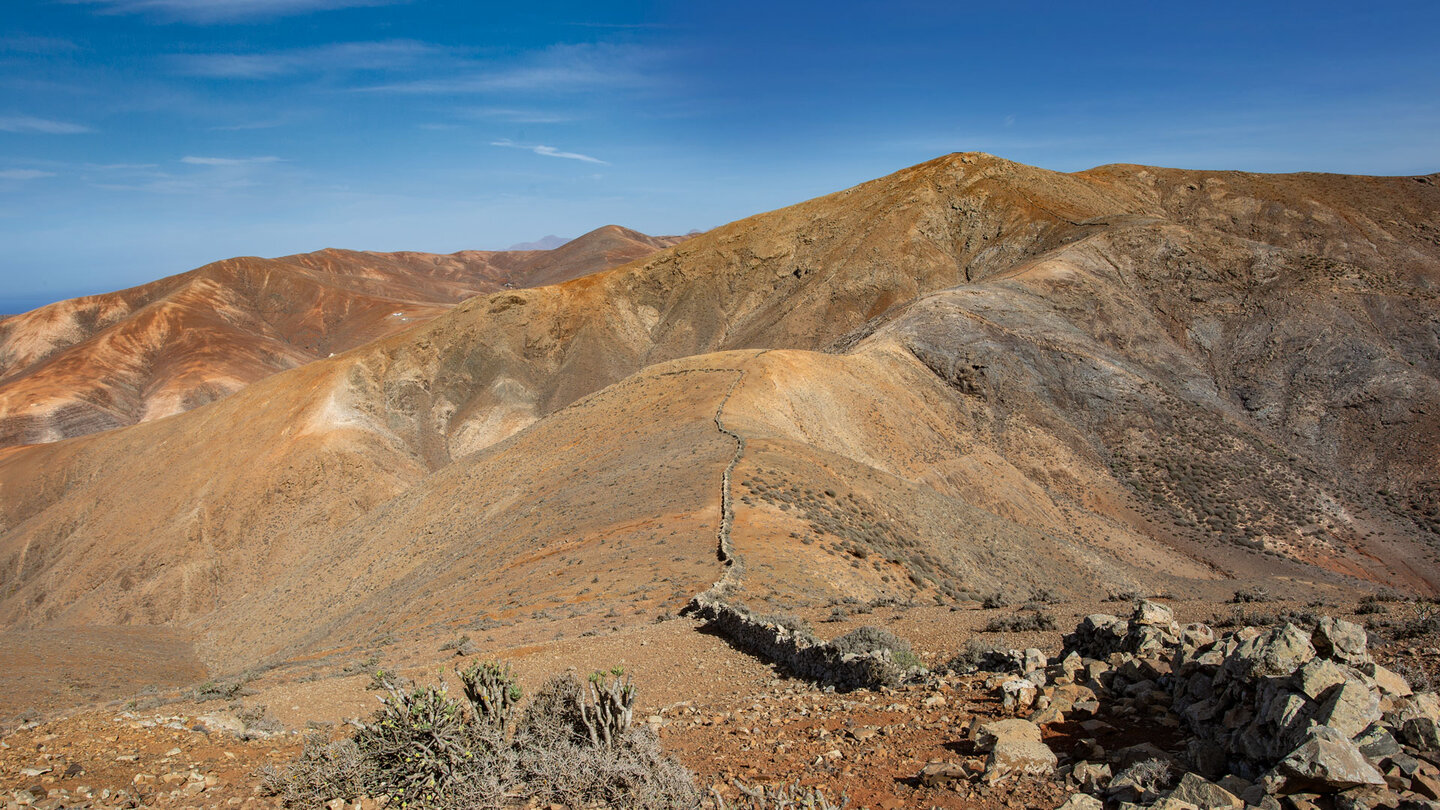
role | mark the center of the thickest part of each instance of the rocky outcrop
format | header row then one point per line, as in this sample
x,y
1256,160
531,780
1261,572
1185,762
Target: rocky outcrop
x,y
1287,711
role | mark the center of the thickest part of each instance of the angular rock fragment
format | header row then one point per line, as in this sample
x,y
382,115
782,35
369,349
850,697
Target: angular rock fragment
x,y
1327,761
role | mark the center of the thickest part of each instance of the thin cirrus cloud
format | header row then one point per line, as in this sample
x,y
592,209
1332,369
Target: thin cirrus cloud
x,y
24,174
206,12
559,68
516,115
29,44
549,151
44,126
336,58
194,160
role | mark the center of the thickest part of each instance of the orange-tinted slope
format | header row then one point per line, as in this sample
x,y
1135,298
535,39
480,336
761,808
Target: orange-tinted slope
x,y
967,376
102,361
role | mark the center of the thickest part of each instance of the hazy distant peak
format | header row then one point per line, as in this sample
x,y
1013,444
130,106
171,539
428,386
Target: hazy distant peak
x,y
544,243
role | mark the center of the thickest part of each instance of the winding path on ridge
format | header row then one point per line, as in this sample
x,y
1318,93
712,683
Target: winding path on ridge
x,y
725,546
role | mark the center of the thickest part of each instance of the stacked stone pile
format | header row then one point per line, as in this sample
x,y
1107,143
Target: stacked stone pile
x,y
796,649
1302,714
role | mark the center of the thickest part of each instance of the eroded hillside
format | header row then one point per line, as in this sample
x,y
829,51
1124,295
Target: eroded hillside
x,y
94,363
968,376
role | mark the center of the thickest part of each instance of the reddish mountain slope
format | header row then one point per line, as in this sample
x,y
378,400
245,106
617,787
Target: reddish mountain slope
x,y
102,361
968,376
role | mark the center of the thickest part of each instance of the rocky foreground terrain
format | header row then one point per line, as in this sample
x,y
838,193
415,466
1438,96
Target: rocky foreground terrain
x,y
922,403
1135,710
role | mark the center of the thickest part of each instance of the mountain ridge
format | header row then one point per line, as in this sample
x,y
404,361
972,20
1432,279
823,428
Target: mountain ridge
x,y
970,375
102,361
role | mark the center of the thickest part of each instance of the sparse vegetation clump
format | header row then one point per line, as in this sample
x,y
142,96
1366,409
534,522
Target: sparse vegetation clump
x,y
217,690
977,654
574,745
1252,594
994,601
869,639
1023,622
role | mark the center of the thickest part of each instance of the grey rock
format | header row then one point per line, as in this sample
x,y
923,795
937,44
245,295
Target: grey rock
x,y
1376,742
1033,660
988,735
1204,794
1341,641
1317,676
1019,758
1391,683
1275,653
1327,761
1080,801
1421,732
1349,709
1152,614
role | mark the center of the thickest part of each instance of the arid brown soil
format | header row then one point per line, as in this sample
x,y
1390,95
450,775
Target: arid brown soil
x,y
725,715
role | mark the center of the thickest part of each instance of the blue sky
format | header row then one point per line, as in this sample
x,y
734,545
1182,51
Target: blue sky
x,y
141,138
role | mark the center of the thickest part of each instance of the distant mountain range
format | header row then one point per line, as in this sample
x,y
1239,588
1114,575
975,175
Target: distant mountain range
x,y
102,361
544,243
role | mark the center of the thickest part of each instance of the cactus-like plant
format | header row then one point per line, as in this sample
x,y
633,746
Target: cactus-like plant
x,y
492,691
607,706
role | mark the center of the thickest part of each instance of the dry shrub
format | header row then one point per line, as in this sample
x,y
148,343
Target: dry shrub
x,y
1028,622
572,746
869,639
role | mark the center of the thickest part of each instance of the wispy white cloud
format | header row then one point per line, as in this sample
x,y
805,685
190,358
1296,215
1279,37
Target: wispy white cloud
x,y
121,167
205,12
549,151
246,126
559,68
337,57
23,174
516,115
26,123
221,161
27,44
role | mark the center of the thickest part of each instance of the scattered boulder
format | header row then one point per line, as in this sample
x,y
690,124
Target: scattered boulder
x,y
1080,801
1091,777
1205,794
1019,758
988,735
940,774
1341,641
1290,711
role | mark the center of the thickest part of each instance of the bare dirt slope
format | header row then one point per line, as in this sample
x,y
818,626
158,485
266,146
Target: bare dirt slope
x,y
102,361
968,376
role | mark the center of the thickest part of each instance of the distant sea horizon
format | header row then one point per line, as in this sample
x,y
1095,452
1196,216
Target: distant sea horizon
x,y
22,303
